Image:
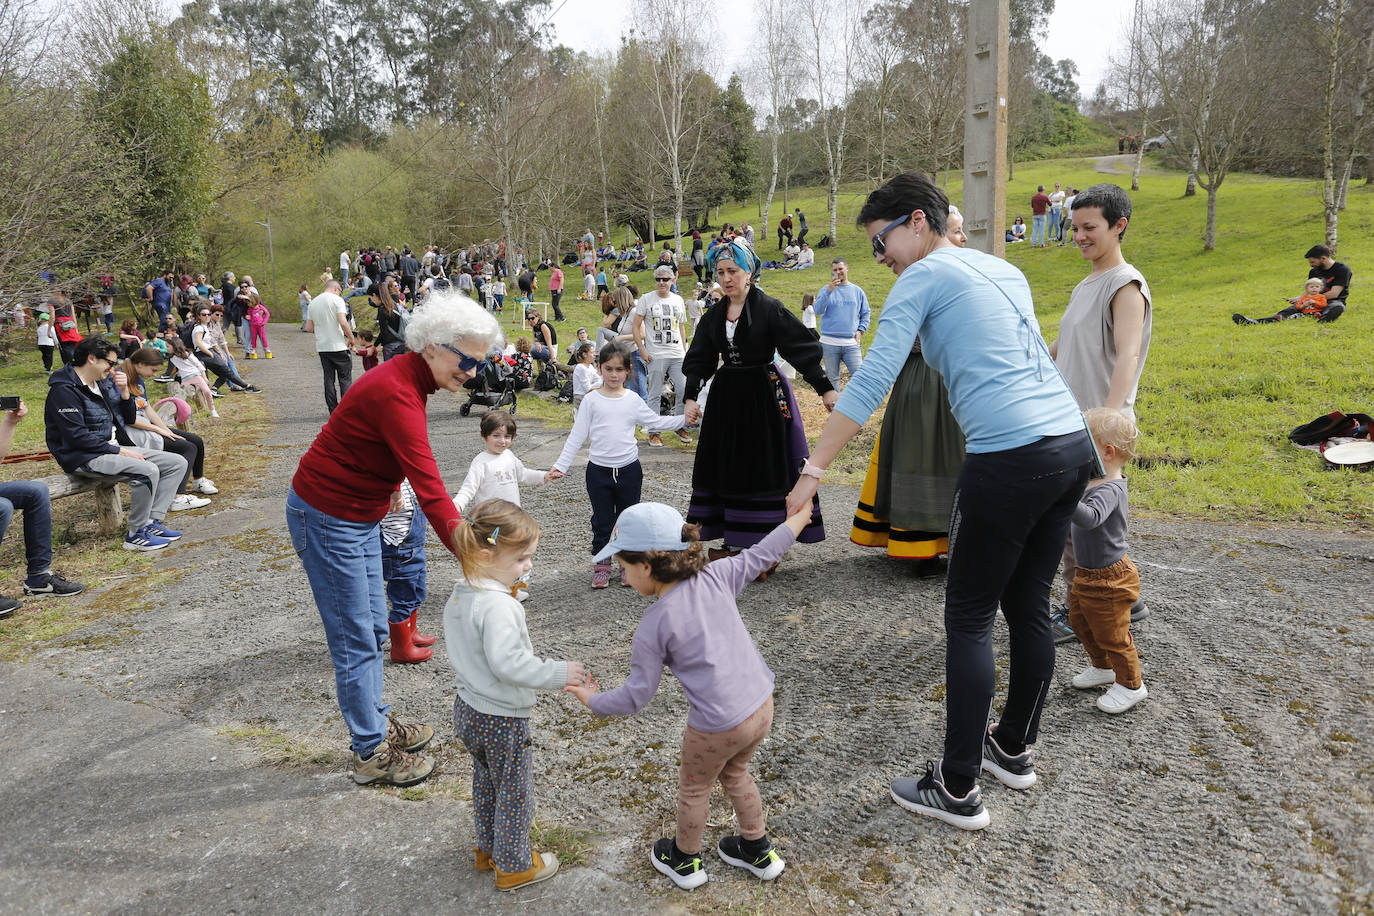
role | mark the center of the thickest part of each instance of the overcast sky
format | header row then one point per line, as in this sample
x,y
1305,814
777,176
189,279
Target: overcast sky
x,y
1082,30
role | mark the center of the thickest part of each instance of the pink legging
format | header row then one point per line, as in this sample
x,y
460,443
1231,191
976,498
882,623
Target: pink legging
x,y
199,383
707,756
258,332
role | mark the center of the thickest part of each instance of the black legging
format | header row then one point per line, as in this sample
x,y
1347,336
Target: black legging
x,y
1007,531
192,448
221,370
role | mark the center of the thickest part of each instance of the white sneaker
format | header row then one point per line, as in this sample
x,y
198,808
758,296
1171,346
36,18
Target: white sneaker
x,y
204,485
1091,677
184,501
1118,699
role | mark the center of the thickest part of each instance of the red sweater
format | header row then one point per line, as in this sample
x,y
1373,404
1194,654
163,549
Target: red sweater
x,y
376,437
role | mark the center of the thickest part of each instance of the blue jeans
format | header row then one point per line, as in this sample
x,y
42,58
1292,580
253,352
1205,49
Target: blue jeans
x,y
834,354
403,568
638,382
1054,232
1038,229
343,561
31,497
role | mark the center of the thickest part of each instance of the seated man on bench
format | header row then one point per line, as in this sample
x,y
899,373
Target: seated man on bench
x,y
89,404
1335,287
31,497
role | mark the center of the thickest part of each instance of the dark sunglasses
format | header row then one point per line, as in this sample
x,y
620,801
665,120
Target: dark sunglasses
x,y
880,246
465,363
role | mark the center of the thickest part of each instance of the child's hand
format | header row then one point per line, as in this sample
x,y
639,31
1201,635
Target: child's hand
x,y
577,673
553,475
583,692
799,519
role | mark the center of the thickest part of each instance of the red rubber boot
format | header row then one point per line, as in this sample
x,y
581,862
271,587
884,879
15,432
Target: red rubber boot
x,y
403,648
416,636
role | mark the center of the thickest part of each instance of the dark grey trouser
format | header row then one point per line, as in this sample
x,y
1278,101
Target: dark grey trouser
x,y
338,369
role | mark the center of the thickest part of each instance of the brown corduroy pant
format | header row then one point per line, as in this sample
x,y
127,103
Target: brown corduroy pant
x,y
1100,613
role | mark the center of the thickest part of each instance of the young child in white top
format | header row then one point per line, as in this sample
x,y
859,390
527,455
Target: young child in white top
x,y
498,673
191,372
496,473
585,376
607,418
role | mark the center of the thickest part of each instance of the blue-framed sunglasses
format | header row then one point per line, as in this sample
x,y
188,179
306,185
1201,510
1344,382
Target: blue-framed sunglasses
x,y
880,246
465,362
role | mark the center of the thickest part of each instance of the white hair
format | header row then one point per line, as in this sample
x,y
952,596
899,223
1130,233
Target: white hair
x,y
448,317
954,211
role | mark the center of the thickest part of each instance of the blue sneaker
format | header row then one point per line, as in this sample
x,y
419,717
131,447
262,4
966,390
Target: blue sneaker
x,y
162,531
1059,624
144,539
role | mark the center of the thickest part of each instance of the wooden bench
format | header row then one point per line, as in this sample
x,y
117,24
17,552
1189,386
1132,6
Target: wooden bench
x,y
109,510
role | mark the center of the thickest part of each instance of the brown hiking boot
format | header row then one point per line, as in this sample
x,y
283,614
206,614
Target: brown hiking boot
x,y
409,738
545,867
391,766
483,861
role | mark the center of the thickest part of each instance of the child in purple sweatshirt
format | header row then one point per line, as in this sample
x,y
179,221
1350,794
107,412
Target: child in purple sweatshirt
x,y
694,627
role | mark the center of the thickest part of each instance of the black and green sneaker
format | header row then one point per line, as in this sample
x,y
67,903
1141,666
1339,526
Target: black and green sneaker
x,y
756,856
686,871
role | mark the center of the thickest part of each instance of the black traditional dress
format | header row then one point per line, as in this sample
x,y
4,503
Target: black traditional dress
x,y
752,443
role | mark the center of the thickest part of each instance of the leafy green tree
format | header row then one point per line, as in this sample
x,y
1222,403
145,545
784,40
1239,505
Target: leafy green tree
x,y
157,113
736,143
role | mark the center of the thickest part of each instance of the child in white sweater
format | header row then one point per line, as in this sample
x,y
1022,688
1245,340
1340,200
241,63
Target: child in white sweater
x,y
496,473
498,674
608,417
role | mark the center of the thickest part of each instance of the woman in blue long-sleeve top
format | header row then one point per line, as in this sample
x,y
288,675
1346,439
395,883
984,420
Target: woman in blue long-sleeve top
x,y
1028,459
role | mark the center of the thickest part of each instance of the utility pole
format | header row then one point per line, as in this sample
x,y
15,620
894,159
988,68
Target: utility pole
x,y
985,127
272,258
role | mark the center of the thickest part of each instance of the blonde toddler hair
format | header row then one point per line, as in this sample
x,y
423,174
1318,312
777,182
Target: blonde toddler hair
x,y
492,527
1112,427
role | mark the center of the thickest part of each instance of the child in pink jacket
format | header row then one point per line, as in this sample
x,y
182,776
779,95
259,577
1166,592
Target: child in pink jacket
x,y
258,316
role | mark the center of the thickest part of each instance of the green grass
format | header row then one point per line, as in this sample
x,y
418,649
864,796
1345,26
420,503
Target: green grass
x,y
1217,401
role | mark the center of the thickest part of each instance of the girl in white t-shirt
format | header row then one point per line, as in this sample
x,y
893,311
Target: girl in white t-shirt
x,y
191,372
607,418
47,340
585,377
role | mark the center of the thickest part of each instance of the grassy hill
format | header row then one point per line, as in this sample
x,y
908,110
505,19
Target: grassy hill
x,y
1216,401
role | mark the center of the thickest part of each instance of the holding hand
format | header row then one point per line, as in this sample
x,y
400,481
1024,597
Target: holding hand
x,y
577,673
692,412
552,475
799,499
799,519
829,399
583,692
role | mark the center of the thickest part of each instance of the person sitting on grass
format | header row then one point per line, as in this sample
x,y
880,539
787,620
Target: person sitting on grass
x,y
1326,304
32,497
88,407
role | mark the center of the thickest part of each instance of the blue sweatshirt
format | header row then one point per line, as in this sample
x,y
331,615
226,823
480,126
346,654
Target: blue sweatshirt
x,y
977,326
843,311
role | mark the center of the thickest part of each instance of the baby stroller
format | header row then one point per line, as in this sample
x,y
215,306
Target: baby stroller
x,y
492,387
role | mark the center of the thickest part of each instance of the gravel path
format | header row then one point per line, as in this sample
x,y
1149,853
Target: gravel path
x,y
1241,785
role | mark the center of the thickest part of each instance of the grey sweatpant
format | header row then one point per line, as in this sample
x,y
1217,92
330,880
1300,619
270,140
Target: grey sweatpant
x,y
153,481
654,373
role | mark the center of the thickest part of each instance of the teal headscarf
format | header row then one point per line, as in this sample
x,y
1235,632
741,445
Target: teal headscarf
x,y
737,250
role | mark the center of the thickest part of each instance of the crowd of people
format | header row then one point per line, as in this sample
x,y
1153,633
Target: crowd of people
x,y
1025,443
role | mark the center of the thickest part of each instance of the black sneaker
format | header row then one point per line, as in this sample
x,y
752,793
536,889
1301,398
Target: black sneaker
x,y
1059,624
764,863
928,795
1014,772
9,605
1139,611
685,871
163,379
1238,318
56,586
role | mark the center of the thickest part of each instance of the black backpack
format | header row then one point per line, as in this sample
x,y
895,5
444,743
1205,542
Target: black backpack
x,y
184,332
548,378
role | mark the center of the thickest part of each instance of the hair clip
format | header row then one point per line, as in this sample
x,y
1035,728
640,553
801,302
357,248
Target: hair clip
x,y
491,539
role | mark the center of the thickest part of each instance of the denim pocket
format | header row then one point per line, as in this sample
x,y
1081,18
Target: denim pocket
x,y
295,524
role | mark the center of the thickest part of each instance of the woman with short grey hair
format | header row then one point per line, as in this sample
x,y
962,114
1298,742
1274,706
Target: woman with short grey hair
x,y
376,438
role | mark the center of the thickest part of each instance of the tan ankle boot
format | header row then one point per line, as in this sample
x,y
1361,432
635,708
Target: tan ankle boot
x,y
544,868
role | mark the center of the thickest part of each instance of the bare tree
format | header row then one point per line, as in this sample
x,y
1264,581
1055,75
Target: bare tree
x,y
1348,47
776,70
833,30
677,54
1203,57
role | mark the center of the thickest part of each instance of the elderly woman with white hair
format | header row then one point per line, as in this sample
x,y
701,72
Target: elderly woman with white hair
x,y
351,475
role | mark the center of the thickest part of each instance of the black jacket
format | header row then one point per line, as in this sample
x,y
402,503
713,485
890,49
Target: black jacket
x,y
79,422
765,326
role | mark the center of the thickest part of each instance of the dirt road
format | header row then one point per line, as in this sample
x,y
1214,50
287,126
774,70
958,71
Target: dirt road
x,y
140,755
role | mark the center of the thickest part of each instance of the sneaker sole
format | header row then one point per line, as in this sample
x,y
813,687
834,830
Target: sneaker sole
x,y
1018,781
1118,710
1092,685
382,781
128,546
686,882
962,821
767,874
542,876
52,594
